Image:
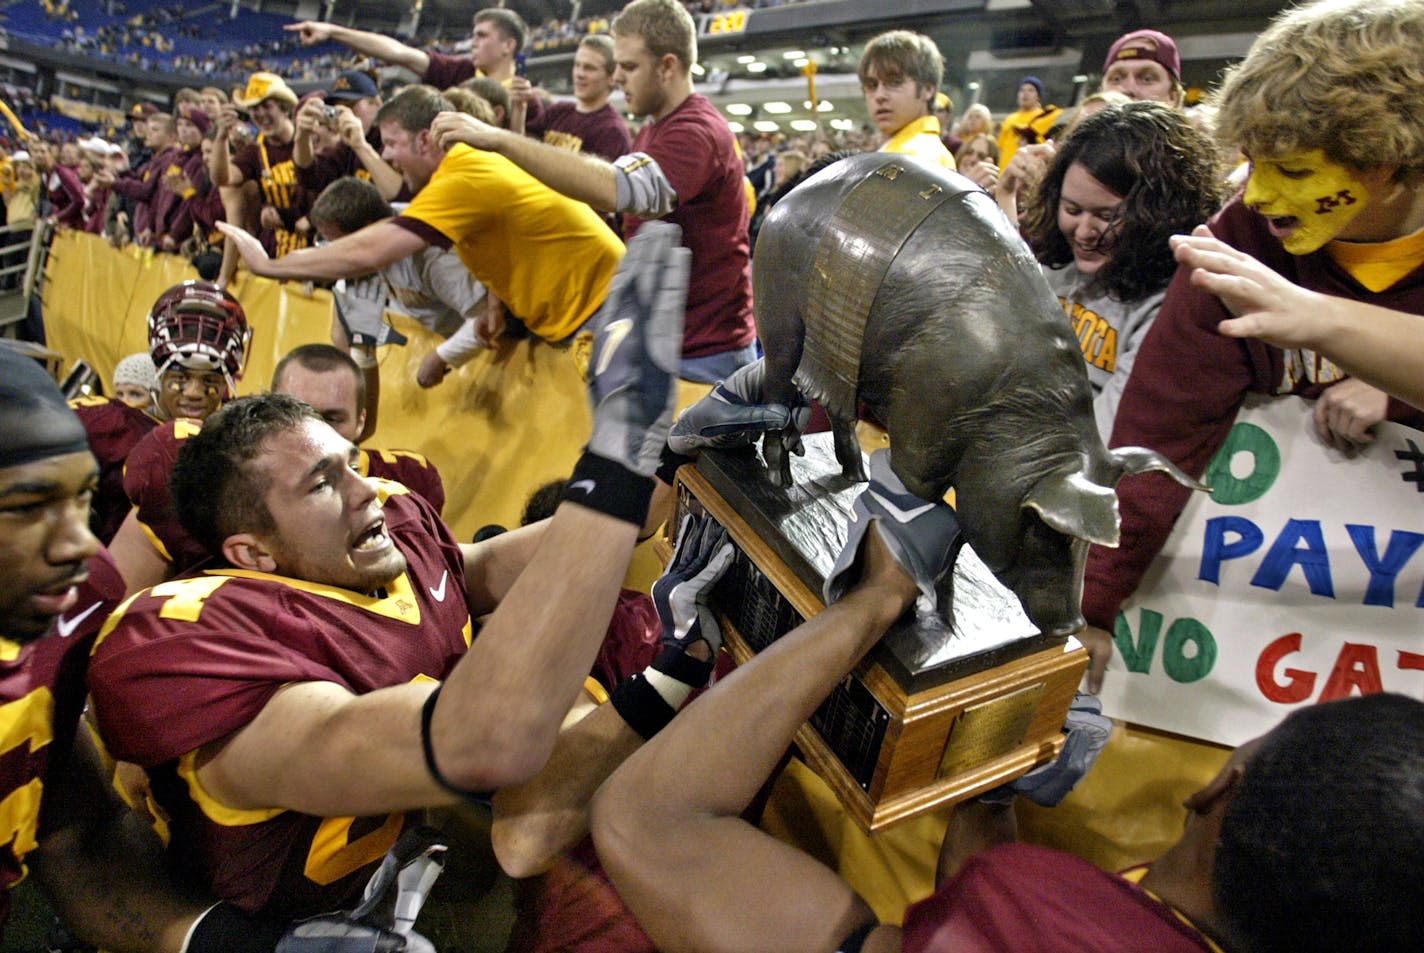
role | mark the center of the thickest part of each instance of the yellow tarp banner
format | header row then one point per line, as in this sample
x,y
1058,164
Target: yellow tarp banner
x,y
499,427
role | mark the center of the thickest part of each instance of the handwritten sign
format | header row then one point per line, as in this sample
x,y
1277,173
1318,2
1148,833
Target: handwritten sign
x,y
1299,580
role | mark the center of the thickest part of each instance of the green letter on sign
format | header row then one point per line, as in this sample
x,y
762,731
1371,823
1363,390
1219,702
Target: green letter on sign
x,y
1266,465
1138,655
1178,666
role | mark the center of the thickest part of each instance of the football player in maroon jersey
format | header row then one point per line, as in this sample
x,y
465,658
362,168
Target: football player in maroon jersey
x,y
100,863
198,338
295,701
152,545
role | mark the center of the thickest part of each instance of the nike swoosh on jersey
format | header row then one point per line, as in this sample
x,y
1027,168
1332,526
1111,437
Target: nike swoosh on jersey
x,y
65,625
587,486
613,336
439,591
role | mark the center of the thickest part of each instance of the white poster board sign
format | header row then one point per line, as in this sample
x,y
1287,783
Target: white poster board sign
x,y
1300,579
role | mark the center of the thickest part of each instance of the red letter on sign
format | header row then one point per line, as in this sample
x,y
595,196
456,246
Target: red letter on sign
x,y
1301,683
1357,667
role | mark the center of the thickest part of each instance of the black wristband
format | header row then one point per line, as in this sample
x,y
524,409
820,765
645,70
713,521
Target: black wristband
x,y
641,706
669,463
226,929
611,488
856,941
675,663
427,712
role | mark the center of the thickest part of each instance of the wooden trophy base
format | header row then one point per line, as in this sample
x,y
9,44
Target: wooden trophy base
x,y
933,715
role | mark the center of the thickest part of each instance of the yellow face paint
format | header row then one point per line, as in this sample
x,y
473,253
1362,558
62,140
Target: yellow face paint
x,y
1307,199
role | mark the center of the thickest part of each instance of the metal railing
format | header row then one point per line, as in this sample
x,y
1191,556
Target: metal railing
x,y
33,240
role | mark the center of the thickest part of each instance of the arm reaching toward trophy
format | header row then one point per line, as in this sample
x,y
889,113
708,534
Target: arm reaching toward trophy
x,y
1378,345
667,823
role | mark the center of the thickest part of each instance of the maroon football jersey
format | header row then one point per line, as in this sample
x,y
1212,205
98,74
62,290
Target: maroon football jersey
x,y
573,908
41,700
1017,897
633,640
409,468
192,660
146,484
114,429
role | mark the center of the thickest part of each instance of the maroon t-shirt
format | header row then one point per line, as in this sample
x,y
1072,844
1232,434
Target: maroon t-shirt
x,y
144,186
601,132
1021,898
339,162
187,214
270,165
66,196
446,70
573,908
697,153
408,468
96,204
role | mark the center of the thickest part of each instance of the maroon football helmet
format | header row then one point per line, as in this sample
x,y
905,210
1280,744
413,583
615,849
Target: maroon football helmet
x,y
199,326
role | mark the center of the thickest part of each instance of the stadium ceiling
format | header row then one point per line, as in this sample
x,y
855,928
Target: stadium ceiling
x,y
1065,17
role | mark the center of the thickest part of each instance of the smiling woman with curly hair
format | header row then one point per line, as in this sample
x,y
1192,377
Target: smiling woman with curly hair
x,y
1125,180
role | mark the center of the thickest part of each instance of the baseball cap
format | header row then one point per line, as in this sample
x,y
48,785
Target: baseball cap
x,y
20,155
142,110
262,87
352,85
1148,45
197,117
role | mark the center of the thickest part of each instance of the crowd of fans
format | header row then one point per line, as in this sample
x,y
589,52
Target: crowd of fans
x,y
142,39
299,675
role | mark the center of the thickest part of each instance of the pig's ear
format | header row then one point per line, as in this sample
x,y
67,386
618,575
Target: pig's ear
x,y
1076,506
1134,460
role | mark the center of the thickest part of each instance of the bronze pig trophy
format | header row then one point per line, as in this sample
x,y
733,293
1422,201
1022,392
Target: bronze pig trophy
x,y
884,281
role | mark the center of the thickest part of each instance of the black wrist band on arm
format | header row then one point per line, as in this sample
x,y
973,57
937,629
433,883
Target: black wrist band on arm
x,y
226,929
669,463
856,941
427,711
600,484
641,706
675,663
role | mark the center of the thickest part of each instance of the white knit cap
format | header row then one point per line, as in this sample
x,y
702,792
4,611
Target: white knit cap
x,y
135,369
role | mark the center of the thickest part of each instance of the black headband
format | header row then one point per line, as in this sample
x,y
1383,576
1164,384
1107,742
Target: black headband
x,y
35,421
